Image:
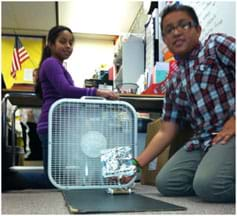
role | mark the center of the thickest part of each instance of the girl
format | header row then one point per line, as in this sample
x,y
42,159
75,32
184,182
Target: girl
x,y
54,82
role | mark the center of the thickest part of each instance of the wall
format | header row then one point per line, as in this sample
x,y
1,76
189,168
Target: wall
x,y
28,18
89,53
138,26
87,56
98,17
34,48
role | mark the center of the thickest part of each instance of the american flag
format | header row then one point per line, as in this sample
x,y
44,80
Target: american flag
x,y
19,56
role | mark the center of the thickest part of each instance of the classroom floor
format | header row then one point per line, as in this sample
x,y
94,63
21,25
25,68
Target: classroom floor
x,y
51,201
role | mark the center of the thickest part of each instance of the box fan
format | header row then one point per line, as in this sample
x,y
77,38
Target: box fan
x,y
90,140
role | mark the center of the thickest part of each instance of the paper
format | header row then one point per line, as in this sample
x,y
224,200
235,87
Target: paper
x,y
105,87
28,74
161,72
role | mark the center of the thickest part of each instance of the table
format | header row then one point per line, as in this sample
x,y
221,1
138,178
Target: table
x,y
144,103
20,99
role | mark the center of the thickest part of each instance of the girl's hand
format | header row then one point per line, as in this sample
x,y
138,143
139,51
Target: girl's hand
x,y
107,94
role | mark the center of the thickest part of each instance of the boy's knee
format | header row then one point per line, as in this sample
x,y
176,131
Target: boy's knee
x,y
161,183
170,185
209,189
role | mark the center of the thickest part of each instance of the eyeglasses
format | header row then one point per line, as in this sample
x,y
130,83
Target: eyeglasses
x,y
183,26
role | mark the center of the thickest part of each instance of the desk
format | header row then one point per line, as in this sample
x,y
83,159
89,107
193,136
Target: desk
x,y
144,103
28,99
20,99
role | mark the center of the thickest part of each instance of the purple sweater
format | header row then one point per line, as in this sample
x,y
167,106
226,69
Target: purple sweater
x,y
56,83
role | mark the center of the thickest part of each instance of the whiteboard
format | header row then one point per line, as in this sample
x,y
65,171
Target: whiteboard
x,y
215,16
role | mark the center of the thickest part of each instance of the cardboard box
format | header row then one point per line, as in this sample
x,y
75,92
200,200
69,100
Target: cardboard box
x,y
150,171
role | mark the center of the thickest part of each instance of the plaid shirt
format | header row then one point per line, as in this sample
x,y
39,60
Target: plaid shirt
x,y
202,90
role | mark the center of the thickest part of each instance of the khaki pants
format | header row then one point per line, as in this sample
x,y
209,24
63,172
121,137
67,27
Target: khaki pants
x,y
211,176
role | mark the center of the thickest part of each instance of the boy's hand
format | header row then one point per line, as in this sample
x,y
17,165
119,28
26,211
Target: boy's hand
x,y
226,133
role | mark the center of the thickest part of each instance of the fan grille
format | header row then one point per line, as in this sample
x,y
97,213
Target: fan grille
x,y
78,131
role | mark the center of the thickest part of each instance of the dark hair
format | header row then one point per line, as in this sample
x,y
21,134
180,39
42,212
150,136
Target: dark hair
x,y
178,7
51,38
